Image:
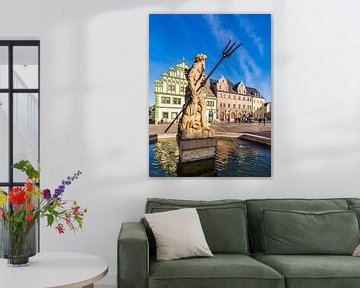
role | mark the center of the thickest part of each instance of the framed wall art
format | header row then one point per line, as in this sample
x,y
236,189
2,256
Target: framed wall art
x,y
210,95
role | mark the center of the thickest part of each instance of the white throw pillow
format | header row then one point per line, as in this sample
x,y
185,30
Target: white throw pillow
x,y
357,251
178,234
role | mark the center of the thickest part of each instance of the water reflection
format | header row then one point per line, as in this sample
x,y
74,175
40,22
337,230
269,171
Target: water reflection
x,y
163,158
233,158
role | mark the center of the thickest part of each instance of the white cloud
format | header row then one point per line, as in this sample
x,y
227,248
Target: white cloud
x,y
248,66
248,27
222,36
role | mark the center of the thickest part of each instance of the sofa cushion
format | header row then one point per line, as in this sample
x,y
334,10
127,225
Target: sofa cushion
x,y
297,232
223,221
254,216
356,209
353,201
178,234
354,205
222,270
313,271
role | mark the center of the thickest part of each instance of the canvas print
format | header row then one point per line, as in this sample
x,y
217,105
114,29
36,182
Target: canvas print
x,y
210,95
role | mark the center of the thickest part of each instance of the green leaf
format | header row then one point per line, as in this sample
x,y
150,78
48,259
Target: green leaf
x,y
79,221
22,164
50,219
28,168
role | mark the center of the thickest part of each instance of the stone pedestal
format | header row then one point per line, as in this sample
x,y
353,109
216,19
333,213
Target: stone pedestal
x,y
195,149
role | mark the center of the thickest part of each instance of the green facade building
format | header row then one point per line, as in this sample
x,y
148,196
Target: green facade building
x,y
170,95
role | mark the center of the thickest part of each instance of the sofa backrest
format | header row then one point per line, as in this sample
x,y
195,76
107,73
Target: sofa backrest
x,y
256,205
223,221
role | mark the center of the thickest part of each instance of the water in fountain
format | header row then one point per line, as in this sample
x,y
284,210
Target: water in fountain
x,y
233,158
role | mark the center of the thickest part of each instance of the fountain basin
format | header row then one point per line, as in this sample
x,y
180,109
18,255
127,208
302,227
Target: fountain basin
x,y
234,157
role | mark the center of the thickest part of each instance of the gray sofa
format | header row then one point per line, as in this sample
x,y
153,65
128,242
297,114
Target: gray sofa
x,y
234,230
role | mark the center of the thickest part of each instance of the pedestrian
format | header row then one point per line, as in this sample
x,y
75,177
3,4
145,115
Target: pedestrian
x,y
260,121
264,121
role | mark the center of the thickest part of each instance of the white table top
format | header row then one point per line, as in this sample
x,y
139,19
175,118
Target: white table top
x,y
68,270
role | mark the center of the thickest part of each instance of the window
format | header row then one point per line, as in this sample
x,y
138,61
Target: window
x,y
239,106
165,115
173,115
19,108
210,103
182,89
172,88
165,100
244,106
229,105
234,106
176,101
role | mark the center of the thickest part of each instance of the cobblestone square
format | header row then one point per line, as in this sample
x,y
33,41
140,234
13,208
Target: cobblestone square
x,y
249,128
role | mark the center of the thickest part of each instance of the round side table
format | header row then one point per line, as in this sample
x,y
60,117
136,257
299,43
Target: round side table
x,y
50,270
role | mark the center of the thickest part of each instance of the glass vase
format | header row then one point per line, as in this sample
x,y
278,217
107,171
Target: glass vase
x,y
18,242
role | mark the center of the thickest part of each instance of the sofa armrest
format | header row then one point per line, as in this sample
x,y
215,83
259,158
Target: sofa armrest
x,y
133,256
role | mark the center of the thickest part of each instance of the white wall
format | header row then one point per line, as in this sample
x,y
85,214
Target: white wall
x,y
94,61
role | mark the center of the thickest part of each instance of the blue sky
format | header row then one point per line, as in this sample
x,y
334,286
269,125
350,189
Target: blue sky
x,y
177,36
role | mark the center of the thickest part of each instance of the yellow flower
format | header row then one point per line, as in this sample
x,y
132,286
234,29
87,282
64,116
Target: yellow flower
x,y
3,198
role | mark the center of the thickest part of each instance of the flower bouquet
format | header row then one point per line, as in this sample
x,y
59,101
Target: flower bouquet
x,y
21,208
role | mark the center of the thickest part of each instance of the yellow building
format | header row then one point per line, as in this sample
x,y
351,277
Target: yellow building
x,y
258,104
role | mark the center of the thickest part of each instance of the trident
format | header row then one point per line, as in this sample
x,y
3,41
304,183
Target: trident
x,y
228,50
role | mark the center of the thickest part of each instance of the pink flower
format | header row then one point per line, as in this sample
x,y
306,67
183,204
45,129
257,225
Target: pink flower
x,y
60,228
1,212
76,209
68,219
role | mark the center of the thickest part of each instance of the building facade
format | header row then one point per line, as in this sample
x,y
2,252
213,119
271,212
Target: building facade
x,y
152,114
258,105
267,109
211,103
225,101
170,95
236,102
